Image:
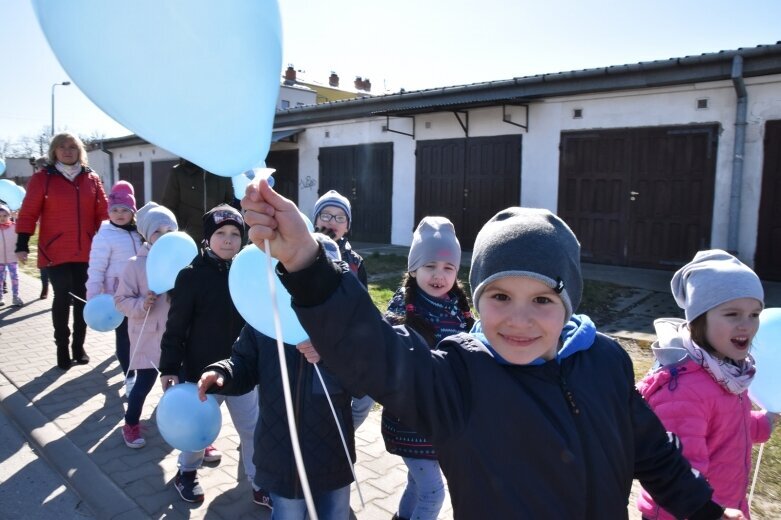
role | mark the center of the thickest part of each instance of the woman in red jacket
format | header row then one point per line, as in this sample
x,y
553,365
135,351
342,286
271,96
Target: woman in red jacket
x,y
68,200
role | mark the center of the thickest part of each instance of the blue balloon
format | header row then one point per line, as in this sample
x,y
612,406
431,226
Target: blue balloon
x,y
11,194
2,166
169,254
101,315
249,289
221,116
765,389
184,421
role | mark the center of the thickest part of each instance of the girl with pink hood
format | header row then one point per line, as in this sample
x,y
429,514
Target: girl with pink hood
x,y
699,388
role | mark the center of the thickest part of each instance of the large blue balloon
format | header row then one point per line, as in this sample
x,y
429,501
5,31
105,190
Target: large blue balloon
x,y
197,77
101,315
765,389
249,288
186,422
11,194
169,254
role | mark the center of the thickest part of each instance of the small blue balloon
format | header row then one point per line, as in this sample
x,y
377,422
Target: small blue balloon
x,y
765,389
101,315
2,166
249,289
186,422
169,254
11,194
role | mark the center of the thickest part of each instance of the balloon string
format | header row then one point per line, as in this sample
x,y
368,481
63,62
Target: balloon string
x,y
341,434
135,347
756,473
77,298
291,420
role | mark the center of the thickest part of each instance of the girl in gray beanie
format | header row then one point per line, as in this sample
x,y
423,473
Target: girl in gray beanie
x,y
432,302
700,388
540,420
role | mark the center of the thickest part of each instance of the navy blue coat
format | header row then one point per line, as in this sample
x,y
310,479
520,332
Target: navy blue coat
x,y
254,361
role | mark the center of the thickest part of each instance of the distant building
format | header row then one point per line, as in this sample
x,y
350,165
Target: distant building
x,y
330,91
647,162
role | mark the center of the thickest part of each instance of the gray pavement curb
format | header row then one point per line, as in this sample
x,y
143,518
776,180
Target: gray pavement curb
x,y
101,494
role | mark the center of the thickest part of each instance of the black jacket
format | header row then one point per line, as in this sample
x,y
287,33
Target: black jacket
x,y
255,361
190,192
202,323
558,440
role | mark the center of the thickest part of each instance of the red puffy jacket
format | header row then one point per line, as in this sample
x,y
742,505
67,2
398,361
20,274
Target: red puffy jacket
x,y
69,212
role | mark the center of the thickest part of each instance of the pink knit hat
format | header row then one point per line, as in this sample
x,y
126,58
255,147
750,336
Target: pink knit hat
x,y
122,194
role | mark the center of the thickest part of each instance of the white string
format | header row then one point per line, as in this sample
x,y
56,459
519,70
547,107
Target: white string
x,y
756,473
341,434
291,421
135,348
76,297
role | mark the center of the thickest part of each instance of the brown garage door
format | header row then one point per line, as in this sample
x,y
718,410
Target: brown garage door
x,y
363,174
134,174
467,180
768,255
639,197
286,176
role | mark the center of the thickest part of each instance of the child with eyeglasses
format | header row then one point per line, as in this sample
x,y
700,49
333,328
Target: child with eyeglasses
x,y
333,217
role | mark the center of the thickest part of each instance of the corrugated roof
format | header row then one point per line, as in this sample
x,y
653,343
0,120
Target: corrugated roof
x,y
757,61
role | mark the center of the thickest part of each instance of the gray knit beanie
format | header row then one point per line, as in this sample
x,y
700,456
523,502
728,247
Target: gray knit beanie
x,y
713,277
151,217
528,242
336,199
433,240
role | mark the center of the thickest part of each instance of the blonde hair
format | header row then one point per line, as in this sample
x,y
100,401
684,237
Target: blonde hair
x,y
58,139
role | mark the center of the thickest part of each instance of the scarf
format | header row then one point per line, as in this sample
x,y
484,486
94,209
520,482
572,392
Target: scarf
x,y
130,226
443,314
735,376
70,171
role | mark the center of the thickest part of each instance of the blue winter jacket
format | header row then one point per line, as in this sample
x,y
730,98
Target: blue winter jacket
x,y
562,439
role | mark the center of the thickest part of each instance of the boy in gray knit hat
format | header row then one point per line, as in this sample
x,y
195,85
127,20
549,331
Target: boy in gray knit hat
x,y
535,417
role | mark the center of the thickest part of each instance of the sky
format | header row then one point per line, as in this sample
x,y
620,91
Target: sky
x,y
408,44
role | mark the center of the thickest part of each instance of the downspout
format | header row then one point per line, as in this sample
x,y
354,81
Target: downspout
x,y
110,160
738,151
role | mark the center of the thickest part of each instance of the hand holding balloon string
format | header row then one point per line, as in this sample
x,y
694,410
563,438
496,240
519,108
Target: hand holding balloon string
x,y
273,218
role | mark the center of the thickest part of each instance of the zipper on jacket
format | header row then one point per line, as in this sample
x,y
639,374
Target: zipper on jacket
x,y
569,396
747,440
133,242
78,212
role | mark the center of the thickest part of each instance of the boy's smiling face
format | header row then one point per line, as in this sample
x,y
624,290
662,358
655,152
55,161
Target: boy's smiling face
x,y
522,318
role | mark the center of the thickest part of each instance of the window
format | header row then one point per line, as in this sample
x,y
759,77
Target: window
x,y
284,103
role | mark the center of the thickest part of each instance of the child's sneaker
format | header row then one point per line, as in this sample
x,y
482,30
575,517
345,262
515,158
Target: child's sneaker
x,y
132,436
211,454
17,301
262,498
186,483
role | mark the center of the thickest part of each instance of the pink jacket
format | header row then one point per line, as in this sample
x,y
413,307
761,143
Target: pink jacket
x,y
112,248
715,426
129,300
8,244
